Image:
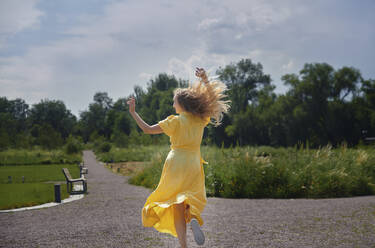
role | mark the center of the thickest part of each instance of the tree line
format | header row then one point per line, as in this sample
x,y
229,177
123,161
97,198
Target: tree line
x,y
322,106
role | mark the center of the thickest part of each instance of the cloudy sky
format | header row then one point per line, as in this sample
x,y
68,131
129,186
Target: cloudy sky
x,y
68,50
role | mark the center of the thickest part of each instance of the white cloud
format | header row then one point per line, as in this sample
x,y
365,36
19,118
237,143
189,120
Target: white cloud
x,y
145,76
207,23
20,79
16,16
288,67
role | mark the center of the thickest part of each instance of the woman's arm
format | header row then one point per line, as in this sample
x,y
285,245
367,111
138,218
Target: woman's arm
x,y
201,73
154,129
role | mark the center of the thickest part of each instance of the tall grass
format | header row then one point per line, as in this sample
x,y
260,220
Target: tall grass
x,y
266,172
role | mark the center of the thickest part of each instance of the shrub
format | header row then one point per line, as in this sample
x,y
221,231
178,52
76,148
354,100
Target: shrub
x,y
105,147
73,145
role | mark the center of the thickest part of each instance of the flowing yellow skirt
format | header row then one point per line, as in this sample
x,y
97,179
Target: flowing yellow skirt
x,y
181,181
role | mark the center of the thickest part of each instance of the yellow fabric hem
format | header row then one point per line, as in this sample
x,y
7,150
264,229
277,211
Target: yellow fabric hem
x,y
150,217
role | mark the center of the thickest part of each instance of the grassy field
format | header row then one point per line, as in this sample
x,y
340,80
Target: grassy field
x,y
37,156
266,172
36,173
19,195
27,178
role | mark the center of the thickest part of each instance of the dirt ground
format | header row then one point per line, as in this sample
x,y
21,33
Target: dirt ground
x,y
110,216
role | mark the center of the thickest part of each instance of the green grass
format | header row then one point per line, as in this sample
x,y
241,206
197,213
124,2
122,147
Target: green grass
x,y
266,172
36,173
37,156
29,194
35,190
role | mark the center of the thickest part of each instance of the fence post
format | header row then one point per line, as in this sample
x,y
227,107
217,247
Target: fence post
x,y
57,193
9,179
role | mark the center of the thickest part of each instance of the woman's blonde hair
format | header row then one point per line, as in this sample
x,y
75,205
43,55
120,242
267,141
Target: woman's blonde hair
x,y
204,99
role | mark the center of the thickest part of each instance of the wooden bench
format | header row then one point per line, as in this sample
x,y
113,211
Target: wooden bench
x,y
82,170
70,181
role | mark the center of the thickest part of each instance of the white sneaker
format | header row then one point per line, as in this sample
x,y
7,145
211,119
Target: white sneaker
x,y
197,232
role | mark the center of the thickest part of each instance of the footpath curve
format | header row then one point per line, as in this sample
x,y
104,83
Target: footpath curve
x,y
110,216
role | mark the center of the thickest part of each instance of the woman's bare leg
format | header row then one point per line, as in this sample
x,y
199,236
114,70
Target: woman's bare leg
x,y
180,223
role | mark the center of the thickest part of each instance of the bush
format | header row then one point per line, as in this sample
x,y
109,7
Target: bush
x,y
105,147
73,145
120,139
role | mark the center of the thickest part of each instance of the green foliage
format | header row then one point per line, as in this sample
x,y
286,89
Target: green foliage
x,y
132,153
37,156
150,177
266,172
120,139
105,147
54,116
73,145
46,136
321,106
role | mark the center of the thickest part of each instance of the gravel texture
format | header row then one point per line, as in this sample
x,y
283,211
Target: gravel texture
x,y
110,216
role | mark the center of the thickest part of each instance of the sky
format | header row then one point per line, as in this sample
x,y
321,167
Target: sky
x,y
69,50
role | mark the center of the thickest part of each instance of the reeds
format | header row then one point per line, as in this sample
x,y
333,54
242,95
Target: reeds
x,y
266,172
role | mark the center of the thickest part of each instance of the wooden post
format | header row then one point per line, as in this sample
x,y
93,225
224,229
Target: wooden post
x,y
23,179
9,179
57,193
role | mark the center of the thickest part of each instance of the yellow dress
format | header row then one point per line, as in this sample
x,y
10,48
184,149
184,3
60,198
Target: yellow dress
x,y
182,178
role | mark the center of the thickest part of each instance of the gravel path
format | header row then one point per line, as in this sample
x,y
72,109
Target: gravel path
x,y
110,216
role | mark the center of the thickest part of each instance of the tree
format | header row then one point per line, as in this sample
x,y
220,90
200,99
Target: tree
x,y
320,103
102,99
55,114
245,80
13,125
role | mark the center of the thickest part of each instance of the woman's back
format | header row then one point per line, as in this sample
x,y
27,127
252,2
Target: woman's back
x,y
185,130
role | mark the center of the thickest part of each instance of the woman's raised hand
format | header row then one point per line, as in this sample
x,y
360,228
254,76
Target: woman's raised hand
x,y
131,103
201,73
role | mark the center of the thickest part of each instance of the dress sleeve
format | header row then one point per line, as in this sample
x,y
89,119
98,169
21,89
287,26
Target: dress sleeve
x,y
206,120
169,124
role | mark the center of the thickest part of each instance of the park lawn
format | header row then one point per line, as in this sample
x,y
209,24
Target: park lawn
x,y
37,156
36,173
17,195
38,187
